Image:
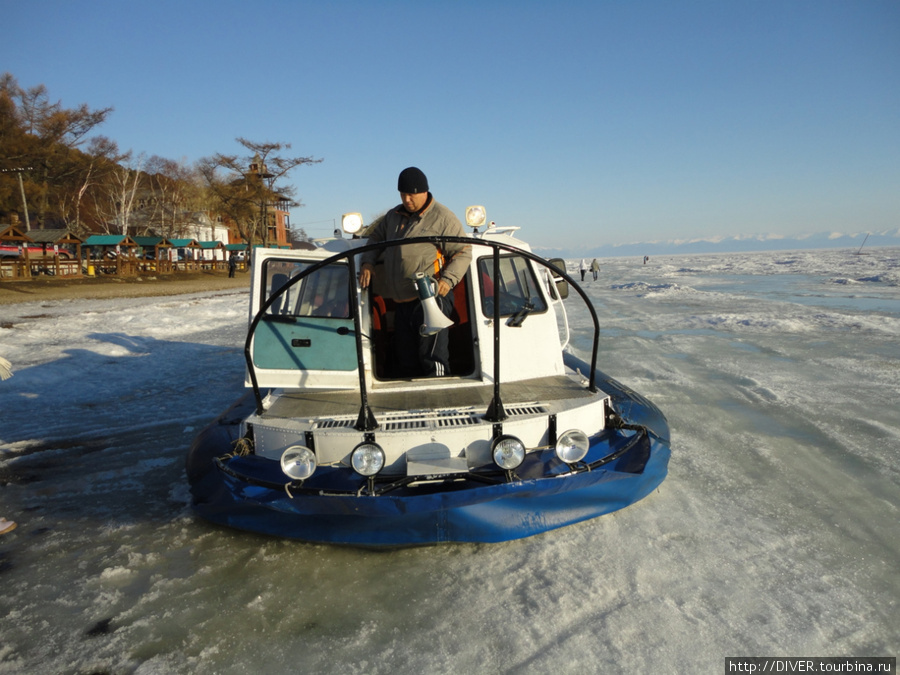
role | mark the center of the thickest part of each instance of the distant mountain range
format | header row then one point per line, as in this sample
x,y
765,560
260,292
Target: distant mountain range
x,y
730,245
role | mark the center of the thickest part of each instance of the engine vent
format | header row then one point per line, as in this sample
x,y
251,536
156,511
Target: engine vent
x,y
444,419
335,424
404,424
534,409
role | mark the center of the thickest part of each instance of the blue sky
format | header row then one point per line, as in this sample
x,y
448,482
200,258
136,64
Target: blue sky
x,y
585,123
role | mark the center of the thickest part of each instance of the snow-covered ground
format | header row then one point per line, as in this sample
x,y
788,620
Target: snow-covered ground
x,y
777,531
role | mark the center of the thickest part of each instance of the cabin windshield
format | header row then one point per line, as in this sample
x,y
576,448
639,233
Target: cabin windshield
x,y
518,286
324,293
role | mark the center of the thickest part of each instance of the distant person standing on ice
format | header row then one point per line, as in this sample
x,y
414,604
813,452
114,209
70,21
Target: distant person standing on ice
x,y
583,268
595,268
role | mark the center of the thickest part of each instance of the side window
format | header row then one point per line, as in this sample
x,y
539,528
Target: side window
x,y
324,293
518,286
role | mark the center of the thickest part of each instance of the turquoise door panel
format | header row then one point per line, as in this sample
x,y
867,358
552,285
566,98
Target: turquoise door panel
x,y
305,343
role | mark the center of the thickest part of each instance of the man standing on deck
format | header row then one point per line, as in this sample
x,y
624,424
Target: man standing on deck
x,y
417,215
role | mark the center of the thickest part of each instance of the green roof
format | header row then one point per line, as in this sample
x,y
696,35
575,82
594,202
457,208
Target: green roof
x,y
243,247
150,241
210,244
183,243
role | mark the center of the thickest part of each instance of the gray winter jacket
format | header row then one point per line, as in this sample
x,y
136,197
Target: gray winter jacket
x,y
395,277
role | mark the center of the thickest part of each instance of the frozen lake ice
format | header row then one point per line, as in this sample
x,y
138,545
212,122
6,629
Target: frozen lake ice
x,y
777,532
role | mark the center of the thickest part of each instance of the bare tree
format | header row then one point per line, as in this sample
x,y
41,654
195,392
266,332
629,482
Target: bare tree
x,y
244,187
172,196
90,170
116,198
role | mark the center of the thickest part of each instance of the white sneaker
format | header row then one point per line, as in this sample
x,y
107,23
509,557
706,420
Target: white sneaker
x,y
6,526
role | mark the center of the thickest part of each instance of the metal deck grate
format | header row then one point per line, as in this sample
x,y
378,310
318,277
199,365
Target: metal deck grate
x,y
444,419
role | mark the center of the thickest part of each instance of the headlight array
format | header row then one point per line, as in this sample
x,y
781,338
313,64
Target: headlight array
x,y
368,458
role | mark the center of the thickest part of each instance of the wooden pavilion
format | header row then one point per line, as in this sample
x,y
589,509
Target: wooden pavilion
x,y
116,254
214,248
60,252
187,256
160,260
14,258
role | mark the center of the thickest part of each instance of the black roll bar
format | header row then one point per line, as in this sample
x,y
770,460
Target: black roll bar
x,y
496,412
366,420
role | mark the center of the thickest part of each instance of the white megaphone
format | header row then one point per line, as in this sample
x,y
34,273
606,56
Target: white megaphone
x,y
435,319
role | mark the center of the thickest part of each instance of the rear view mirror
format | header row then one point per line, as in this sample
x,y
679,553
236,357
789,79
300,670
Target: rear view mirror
x,y
557,267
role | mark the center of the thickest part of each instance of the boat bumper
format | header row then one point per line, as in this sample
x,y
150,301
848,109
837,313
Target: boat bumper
x,y
484,513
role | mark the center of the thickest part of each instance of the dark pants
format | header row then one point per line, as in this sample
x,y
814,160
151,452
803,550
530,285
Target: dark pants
x,y
417,355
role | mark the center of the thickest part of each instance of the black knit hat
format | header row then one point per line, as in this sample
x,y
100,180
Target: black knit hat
x,y
412,181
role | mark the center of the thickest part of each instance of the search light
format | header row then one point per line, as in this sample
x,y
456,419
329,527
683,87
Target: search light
x,y
352,223
298,462
475,216
367,459
508,452
572,446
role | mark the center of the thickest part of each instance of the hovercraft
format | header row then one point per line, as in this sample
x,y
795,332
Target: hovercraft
x,y
329,445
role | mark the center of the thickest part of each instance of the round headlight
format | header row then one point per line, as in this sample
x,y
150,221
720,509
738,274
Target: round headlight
x,y
352,223
475,216
367,459
508,452
572,446
298,462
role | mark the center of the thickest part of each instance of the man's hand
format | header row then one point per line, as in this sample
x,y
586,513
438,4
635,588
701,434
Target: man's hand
x,y
444,287
365,275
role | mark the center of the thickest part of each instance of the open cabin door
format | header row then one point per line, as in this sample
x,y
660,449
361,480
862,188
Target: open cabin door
x,y
306,337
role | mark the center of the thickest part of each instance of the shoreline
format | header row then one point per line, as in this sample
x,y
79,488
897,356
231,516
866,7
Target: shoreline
x,y
99,288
